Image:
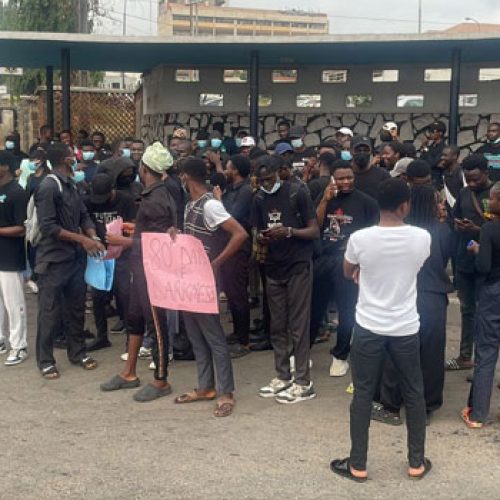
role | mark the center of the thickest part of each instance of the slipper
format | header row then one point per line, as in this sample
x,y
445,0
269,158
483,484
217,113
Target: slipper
x,y
427,468
343,469
117,383
50,372
88,363
150,392
224,409
466,417
192,397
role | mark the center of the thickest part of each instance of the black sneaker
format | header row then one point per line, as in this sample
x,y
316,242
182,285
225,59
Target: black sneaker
x,y
118,327
97,344
238,351
380,414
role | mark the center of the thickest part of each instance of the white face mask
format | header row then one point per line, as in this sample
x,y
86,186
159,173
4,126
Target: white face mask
x,y
297,143
273,190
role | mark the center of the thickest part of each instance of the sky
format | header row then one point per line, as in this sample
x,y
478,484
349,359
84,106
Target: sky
x,y
361,16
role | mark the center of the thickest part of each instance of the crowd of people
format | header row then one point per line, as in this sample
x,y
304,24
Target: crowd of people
x,y
347,237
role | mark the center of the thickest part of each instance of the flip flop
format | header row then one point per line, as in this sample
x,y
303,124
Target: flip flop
x,y
343,469
150,392
224,409
50,372
117,383
427,468
193,397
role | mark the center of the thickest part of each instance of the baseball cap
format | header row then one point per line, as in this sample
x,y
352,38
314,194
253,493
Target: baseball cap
x,y
345,131
101,187
158,158
282,148
361,140
400,167
390,125
297,131
247,142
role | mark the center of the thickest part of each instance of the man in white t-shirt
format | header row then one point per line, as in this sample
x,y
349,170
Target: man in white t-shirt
x,y
385,261
222,236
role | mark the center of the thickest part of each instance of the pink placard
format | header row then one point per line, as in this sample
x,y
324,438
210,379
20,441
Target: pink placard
x,y
114,227
179,274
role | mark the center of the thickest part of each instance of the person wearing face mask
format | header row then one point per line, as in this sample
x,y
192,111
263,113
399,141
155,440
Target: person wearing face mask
x,y
13,146
87,165
343,209
491,150
104,205
67,235
367,175
228,143
286,225
124,173
301,153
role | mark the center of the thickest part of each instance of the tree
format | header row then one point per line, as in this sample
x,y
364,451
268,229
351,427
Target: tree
x,y
56,16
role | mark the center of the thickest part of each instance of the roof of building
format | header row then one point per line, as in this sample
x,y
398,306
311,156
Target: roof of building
x,y
471,27
140,54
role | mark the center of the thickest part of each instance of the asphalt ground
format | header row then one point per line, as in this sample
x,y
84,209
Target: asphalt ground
x,y
66,439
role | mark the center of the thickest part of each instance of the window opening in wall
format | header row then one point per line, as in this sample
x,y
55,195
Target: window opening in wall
x,y
334,76
235,76
437,75
410,101
187,75
212,100
385,75
308,101
265,100
489,74
358,101
468,100
284,76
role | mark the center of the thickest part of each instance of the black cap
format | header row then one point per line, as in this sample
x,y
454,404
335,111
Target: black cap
x,y
297,131
102,185
439,126
361,140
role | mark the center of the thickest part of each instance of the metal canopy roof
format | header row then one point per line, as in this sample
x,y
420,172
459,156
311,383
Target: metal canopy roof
x,y
139,54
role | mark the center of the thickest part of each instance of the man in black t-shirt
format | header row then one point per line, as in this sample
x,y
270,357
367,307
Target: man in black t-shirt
x,y
105,205
367,175
341,211
13,202
491,150
301,153
469,216
286,224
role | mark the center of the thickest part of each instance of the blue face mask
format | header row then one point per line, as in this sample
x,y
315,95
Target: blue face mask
x,y
74,165
273,190
10,144
33,166
297,143
216,143
88,155
126,152
346,155
238,142
202,144
78,176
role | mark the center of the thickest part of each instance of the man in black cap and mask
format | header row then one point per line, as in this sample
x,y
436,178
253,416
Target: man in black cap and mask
x,y
368,175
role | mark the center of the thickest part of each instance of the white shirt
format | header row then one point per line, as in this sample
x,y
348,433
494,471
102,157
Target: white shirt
x,y
215,214
389,259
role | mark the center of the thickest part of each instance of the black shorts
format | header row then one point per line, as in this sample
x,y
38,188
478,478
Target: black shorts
x,y
139,307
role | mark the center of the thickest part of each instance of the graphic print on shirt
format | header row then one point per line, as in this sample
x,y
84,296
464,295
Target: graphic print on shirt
x,y
105,217
274,219
333,231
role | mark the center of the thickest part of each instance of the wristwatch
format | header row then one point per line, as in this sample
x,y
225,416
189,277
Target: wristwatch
x,y
290,232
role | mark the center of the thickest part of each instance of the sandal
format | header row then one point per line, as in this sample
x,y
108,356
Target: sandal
x,y
427,468
192,397
224,409
88,363
466,417
343,469
50,372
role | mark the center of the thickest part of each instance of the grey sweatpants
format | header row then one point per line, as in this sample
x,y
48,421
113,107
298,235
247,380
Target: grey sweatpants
x,y
290,305
210,350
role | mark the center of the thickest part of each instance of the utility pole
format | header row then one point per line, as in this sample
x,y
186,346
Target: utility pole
x,y
124,35
419,16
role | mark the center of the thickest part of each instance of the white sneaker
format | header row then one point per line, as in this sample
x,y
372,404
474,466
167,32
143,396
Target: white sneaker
x,y
339,367
145,353
275,387
3,348
32,286
124,356
16,356
292,363
152,365
296,393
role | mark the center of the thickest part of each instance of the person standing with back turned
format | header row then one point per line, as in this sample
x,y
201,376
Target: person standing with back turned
x,y
387,322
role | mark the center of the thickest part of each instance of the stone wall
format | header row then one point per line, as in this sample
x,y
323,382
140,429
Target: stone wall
x,y
321,126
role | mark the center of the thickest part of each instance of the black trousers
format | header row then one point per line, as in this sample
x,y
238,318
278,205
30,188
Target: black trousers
x,y
121,287
368,355
61,300
329,283
141,314
467,294
487,347
235,284
432,308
